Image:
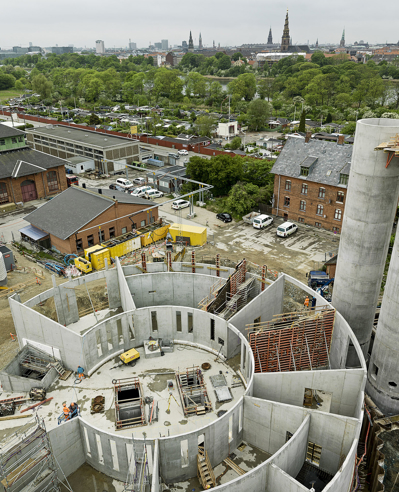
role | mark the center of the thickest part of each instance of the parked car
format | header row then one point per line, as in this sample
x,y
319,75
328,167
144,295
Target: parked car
x,y
178,204
116,187
182,152
262,221
141,191
124,183
153,194
225,217
286,229
139,181
175,156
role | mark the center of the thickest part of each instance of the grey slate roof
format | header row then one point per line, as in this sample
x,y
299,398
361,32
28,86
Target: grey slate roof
x,y
75,207
6,131
332,160
9,160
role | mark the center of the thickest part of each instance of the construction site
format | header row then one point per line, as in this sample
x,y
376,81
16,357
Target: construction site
x,y
184,375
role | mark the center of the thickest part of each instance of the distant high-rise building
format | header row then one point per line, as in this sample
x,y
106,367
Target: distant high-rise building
x,y
270,37
132,46
342,42
285,40
61,50
214,45
317,43
165,44
184,45
158,46
30,43
200,42
190,43
100,49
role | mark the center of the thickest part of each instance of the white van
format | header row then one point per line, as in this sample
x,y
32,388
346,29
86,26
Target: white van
x,y
141,191
262,221
286,229
124,183
178,204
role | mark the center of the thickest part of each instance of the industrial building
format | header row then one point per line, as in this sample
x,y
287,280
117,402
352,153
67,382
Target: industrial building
x,y
248,393
108,152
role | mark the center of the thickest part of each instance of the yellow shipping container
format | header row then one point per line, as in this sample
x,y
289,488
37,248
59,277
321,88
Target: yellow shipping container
x,y
96,255
193,235
151,237
124,247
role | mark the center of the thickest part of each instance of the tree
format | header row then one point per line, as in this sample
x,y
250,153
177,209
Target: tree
x,y
237,56
329,118
242,199
349,128
6,81
258,114
94,120
224,62
302,123
195,85
235,143
42,86
204,125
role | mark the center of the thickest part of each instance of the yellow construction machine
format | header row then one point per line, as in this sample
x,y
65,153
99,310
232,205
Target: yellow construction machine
x,y
128,358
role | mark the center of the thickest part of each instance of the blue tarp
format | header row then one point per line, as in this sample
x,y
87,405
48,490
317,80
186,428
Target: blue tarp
x,y
32,232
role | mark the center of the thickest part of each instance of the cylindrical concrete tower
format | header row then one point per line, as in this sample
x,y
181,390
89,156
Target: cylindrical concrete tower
x,y
383,373
369,213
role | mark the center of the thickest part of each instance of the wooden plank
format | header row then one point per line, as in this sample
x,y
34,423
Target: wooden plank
x,y
10,417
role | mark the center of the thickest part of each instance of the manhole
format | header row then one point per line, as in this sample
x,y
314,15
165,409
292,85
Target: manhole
x,y
206,366
98,399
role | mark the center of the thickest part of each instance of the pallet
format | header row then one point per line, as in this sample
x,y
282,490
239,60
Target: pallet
x,y
65,376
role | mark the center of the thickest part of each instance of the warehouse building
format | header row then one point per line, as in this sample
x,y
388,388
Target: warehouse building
x,y
80,218
109,153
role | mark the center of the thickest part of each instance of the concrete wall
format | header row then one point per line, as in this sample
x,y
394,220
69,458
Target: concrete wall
x,y
127,302
278,480
18,384
185,267
342,480
289,387
156,289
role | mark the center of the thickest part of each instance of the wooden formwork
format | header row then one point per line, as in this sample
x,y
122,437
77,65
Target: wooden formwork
x,y
129,403
293,341
191,385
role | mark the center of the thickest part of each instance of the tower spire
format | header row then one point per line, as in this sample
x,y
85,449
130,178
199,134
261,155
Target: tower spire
x,y
270,38
200,42
285,40
190,43
342,42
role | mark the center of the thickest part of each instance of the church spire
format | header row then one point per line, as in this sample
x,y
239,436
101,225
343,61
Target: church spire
x,y
285,40
342,42
200,42
270,38
190,43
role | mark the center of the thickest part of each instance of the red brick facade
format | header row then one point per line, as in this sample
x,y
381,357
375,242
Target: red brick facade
x,y
308,202
43,186
110,227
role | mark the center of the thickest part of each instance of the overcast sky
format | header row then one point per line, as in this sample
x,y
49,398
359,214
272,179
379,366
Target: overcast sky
x,y
81,22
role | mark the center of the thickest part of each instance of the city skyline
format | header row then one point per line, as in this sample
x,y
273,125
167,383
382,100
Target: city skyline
x,y
307,22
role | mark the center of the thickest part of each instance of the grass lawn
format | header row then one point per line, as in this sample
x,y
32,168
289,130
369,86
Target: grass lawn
x,y
5,95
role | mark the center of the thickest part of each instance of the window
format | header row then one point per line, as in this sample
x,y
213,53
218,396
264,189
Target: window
x,y
154,321
14,140
20,139
3,193
340,197
343,179
319,210
190,322
301,219
304,190
212,329
2,141
52,182
79,244
111,232
101,235
317,224
313,453
124,230
304,171
322,192
302,205
178,321
338,214
90,240
286,201
288,185
152,219
184,453
335,229
142,223
374,371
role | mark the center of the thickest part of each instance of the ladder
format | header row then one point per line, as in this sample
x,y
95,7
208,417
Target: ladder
x,y
204,469
58,367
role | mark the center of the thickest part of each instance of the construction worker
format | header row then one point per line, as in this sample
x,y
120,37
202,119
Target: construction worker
x,y
306,303
73,409
65,409
81,373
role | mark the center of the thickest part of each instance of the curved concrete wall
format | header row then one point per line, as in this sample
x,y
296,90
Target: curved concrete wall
x,y
370,208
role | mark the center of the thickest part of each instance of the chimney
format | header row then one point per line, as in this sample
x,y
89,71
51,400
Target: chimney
x,y
341,139
83,185
308,136
100,191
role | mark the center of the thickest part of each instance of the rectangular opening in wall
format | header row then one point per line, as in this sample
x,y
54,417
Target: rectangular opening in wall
x,y
130,460
154,321
212,329
114,454
184,453
131,328
317,399
201,441
244,356
87,442
288,436
374,371
257,320
99,449
190,322
313,453
109,335
230,428
178,321
240,419
149,455
98,341
120,331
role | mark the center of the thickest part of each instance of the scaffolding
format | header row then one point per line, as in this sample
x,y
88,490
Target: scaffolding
x,y
193,393
235,302
213,292
129,403
293,341
138,475
36,363
26,461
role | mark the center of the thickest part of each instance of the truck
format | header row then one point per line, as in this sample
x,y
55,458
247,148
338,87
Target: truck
x,y
318,278
72,180
249,218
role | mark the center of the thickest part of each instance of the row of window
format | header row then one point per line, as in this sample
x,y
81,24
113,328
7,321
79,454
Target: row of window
x,y
319,209
52,184
322,191
343,178
317,224
14,140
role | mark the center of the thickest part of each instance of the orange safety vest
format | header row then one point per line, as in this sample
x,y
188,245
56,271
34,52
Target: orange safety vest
x,y
66,411
306,303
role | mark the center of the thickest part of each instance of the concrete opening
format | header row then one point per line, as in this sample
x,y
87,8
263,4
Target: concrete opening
x,y
129,394
129,405
317,399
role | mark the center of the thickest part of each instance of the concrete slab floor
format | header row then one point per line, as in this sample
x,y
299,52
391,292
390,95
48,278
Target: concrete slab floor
x,y
88,321
153,375
246,457
87,479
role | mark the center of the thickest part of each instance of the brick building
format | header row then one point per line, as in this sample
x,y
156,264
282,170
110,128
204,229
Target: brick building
x,y
310,182
65,141
27,174
79,218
